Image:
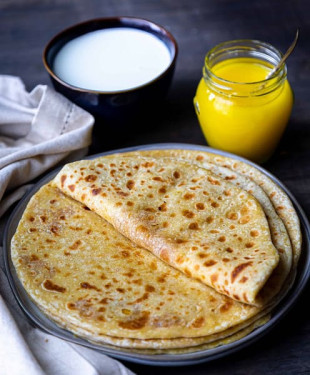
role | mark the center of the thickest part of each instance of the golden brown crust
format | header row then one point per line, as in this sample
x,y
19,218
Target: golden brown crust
x,y
93,281
221,253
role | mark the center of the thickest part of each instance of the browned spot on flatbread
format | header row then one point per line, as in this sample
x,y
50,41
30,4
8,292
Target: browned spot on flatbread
x,y
188,196
130,184
214,277
63,179
91,178
188,214
210,219
188,272
125,254
162,278
149,288
200,206
141,228
49,285
193,226
104,301
150,209
198,322
71,306
164,255
163,207
157,178
148,164
254,233
227,305
209,263
144,297
137,322
232,216
122,193
228,178
75,245
244,219
213,181
54,229
239,269
86,285
202,255
96,191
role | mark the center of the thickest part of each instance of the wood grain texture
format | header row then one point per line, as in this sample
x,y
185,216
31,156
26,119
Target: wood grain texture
x,y
27,25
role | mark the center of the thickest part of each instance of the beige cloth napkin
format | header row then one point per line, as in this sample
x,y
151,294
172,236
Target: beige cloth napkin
x,y
37,131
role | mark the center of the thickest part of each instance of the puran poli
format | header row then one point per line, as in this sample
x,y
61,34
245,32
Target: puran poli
x,y
197,222
78,251
92,280
278,230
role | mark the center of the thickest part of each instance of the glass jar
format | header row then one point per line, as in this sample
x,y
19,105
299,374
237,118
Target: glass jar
x,y
239,110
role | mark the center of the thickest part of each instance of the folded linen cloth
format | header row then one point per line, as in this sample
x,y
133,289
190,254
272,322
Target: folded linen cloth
x,y
37,131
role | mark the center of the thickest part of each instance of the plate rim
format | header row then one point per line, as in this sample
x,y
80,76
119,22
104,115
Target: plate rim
x,y
163,359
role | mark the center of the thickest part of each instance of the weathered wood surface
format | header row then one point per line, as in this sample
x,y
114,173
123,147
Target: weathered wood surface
x,y
27,25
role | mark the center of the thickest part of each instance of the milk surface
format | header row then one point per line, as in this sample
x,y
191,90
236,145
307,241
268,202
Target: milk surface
x,y
112,59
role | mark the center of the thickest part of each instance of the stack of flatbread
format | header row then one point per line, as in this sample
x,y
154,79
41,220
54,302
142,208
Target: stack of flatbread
x,y
162,251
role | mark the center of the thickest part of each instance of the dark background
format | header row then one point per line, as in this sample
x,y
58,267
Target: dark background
x,y
27,25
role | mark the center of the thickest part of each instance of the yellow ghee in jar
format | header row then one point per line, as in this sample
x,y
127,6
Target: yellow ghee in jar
x,y
248,121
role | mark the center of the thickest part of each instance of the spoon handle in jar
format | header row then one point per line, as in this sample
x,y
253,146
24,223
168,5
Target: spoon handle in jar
x,y
285,56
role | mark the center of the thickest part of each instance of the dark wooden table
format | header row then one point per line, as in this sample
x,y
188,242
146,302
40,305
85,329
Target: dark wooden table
x,y
27,25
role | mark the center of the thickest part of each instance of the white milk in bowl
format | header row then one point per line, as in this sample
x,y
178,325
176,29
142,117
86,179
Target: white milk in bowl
x,y
111,60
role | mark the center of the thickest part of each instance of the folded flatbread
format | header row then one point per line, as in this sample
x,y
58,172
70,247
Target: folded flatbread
x,y
278,208
189,217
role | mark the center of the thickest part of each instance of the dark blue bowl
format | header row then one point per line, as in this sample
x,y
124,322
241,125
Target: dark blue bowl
x,y
117,109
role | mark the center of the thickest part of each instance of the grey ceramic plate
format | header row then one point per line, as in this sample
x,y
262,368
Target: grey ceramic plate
x,y
43,322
